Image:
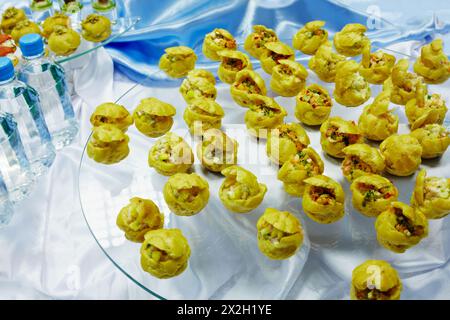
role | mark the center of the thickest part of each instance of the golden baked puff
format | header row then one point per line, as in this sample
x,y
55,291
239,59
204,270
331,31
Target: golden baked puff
x,y
10,18
285,141
165,253
217,151
264,114
351,40
361,159
58,19
402,83
240,192
351,88
377,122
275,52
425,108
193,88
202,114
246,83
176,62
217,40
139,217
434,139
232,62
112,113
376,67
402,154
170,154
431,196
324,62
400,227
313,105
336,134
255,41
375,280
96,28
280,234
153,117
309,38
63,41
288,78
372,194
302,165
323,200
24,27
433,64
108,144
201,73
186,194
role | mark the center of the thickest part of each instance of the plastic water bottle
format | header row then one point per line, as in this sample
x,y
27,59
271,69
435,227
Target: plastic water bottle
x,y
48,79
6,209
14,165
22,102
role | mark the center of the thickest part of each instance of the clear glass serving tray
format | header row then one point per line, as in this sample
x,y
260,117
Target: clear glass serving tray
x,y
225,261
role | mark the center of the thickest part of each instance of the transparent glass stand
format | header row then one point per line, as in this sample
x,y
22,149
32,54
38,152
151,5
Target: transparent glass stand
x,y
225,260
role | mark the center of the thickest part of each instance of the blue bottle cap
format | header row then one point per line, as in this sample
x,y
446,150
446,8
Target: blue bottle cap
x,y
31,45
6,69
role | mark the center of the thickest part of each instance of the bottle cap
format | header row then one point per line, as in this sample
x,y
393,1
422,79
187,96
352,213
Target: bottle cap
x,y
6,69
31,45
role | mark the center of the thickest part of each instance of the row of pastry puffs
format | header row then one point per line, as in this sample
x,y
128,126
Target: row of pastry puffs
x,y
165,252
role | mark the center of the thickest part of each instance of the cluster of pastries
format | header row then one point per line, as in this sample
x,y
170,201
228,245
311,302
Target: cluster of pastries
x,y
57,29
398,226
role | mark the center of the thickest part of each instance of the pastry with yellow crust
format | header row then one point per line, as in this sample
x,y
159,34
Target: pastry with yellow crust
x,y
313,105
63,41
203,114
186,194
108,144
324,62
323,200
425,108
10,17
402,83
247,83
139,217
372,194
285,141
377,66
351,40
302,165
194,88
24,27
433,64
232,62
153,117
351,88
375,280
402,154
263,115
201,73
176,62
96,28
216,41
241,192
400,227
170,155
309,38
361,159
275,52
217,151
165,253
336,134
112,113
377,122
431,196
280,234
59,19
255,41
288,78
434,139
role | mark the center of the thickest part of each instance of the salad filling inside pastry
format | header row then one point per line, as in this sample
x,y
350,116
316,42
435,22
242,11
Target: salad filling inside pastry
x,y
247,82
336,134
231,63
285,141
313,105
325,61
361,159
275,52
255,42
376,67
263,115
218,40
433,64
309,38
